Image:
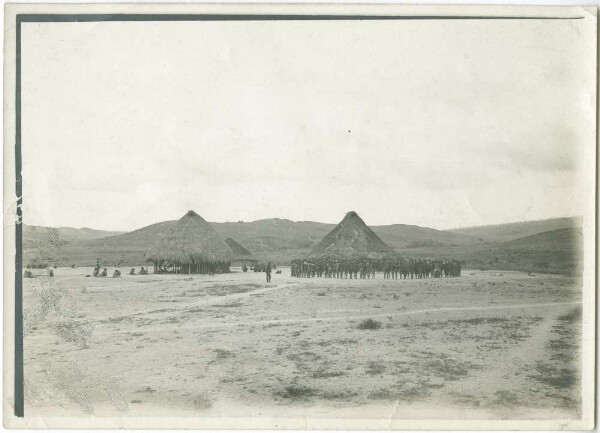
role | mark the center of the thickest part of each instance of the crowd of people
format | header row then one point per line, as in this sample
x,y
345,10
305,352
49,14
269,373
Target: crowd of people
x,y
401,268
366,268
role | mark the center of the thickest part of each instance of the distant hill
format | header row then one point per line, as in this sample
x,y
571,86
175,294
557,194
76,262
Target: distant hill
x,y
275,234
257,236
67,234
402,236
35,237
280,240
553,240
556,251
269,239
507,232
262,238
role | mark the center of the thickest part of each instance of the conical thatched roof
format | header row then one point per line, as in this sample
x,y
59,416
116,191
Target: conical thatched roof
x,y
352,239
238,251
191,240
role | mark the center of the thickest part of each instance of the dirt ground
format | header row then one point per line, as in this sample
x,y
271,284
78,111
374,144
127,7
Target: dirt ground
x,y
487,345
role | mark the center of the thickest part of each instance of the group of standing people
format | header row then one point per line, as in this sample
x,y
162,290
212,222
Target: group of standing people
x,y
366,268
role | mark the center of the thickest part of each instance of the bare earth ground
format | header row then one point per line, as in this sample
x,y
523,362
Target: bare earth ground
x,y
488,345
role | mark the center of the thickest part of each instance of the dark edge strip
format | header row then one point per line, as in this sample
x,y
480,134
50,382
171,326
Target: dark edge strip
x,y
276,17
595,415
19,398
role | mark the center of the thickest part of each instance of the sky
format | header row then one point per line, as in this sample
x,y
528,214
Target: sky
x,y
435,123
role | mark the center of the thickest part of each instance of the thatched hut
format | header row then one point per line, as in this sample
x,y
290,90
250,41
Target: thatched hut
x,y
191,246
352,239
238,252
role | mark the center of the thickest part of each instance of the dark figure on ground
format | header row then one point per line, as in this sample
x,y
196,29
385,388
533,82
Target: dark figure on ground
x,y
51,273
143,271
268,272
132,272
117,274
104,272
244,268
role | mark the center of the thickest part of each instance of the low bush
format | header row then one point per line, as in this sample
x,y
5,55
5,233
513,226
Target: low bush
x,y
369,324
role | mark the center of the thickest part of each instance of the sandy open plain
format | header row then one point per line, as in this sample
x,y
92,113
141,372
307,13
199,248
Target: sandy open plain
x,y
487,345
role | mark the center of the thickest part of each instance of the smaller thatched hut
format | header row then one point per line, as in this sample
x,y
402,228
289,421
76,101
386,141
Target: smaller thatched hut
x,y
191,246
239,253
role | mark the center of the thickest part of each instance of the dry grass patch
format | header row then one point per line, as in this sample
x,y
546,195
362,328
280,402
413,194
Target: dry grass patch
x,y
323,373
76,332
203,402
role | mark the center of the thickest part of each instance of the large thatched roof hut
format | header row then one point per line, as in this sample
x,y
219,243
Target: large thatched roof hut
x,y
239,252
352,239
191,246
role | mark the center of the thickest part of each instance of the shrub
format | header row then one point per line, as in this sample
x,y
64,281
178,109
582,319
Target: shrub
x,y
297,392
375,368
224,354
369,324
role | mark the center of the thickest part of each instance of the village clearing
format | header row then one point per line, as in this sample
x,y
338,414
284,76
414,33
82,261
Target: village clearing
x,y
487,345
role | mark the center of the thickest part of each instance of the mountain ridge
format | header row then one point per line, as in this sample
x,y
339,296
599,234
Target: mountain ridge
x,y
280,240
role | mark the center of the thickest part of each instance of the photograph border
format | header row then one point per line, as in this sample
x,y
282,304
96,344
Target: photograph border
x,y
27,17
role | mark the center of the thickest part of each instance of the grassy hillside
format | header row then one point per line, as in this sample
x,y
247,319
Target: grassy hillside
x,y
555,251
409,236
32,234
507,232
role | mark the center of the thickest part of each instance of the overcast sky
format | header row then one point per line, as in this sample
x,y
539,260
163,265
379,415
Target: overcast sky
x,y
435,123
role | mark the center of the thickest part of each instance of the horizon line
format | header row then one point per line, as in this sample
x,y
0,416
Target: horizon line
x,y
308,221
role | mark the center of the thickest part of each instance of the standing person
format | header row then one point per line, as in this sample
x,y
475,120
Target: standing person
x,y
268,271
